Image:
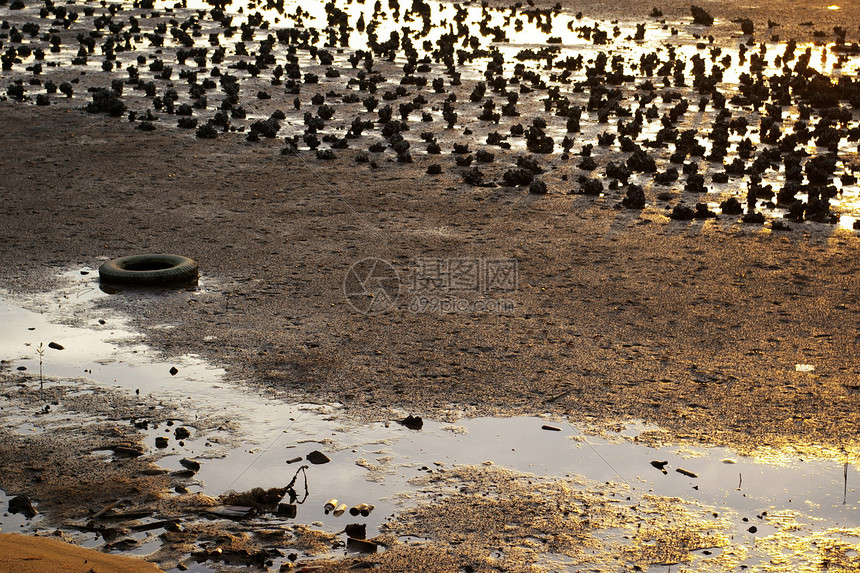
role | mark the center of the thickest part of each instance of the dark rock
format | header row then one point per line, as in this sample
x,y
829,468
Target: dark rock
x,y
356,530
106,101
605,139
617,171
181,433
518,177
316,457
702,211
326,112
207,131
174,371
695,183
538,142
736,167
483,156
753,218
818,207
529,163
589,186
266,128
701,16
731,206
161,442
634,198
21,504
537,187
190,464
434,169
642,162
412,422
16,91
55,345
667,177
360,545
587,164
473,177
682,213
660,465
820,169
128,450
187,122
796,211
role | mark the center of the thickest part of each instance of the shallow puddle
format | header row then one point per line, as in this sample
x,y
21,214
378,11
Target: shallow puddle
x,y
268,440
14,522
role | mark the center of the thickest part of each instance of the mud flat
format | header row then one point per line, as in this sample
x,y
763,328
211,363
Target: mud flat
x,y
445,258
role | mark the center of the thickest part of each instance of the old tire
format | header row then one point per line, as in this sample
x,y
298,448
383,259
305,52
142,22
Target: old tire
x,y
149,270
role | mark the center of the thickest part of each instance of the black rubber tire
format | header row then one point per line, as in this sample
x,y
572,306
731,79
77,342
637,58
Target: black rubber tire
x,y
149,270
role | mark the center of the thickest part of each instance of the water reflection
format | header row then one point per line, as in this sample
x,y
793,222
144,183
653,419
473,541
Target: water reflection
x,y
556,48
486,71
792,499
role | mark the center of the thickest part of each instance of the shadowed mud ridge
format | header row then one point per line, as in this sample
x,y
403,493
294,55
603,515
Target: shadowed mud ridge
x,y
446,211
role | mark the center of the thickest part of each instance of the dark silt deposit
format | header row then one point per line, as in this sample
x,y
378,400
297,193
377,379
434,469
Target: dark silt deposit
x,y
425,231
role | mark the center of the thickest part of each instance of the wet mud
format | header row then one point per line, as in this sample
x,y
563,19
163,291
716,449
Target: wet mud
x,y
672,199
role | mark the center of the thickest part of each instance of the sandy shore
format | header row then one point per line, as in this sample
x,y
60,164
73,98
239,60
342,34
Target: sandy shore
x,y
26,554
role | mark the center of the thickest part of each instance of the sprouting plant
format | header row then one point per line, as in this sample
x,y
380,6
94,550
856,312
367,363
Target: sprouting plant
x,y
41,351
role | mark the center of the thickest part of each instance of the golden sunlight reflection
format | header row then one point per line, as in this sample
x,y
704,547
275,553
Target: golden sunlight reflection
x,y
563,36
790,453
